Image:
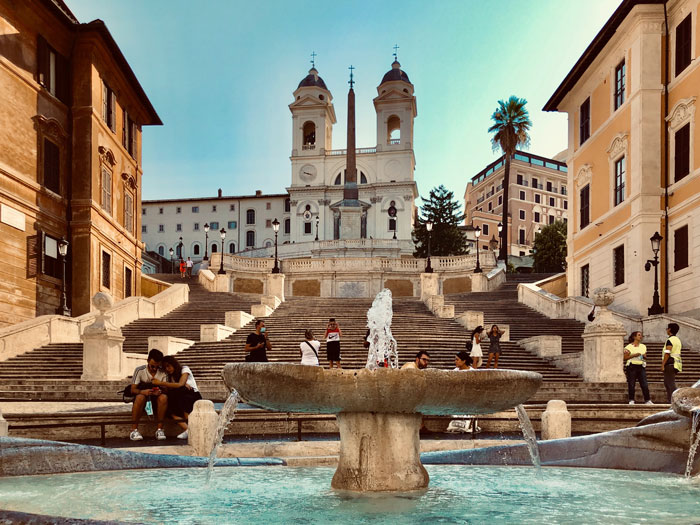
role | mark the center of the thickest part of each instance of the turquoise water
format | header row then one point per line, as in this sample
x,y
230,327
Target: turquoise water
x,y
262,495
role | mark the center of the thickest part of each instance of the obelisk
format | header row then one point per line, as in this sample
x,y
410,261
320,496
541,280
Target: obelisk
x,y
350,208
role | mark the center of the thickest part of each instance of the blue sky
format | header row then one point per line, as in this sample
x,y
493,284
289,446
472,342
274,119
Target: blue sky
x,y
221,73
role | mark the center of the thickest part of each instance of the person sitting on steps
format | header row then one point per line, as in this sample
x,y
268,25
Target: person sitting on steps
x,y
145,392
183,392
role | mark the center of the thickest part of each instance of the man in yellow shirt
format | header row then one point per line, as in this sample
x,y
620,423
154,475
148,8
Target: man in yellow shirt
x,y
421,362
671,363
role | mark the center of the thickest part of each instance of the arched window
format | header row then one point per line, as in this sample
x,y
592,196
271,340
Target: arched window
x,y
250,217
250,239
232,247
161,250
195,249
363,178
338,180
309,135
214,248
287,226
393,130
268,243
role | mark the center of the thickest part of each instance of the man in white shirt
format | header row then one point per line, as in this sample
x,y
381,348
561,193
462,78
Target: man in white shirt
x,y
142,387
189,264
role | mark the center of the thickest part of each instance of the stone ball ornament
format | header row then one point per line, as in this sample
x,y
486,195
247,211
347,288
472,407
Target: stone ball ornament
x,y
102,301
603,297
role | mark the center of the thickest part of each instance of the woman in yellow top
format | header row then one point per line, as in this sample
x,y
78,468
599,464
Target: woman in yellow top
x,y
671,364
636,367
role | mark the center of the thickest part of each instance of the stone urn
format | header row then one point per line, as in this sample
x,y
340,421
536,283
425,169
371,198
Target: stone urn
x,y
379,412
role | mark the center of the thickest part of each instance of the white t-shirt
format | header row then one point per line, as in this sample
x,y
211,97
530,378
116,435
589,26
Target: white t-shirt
x,y
308,357
189,263
142,375
190,378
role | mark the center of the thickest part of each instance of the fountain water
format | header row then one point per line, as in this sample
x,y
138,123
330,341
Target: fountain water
x,y
694,431
382,345
529,435
228,411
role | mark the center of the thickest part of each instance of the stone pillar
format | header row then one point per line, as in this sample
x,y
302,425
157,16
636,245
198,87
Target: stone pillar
x,y
603,343
4,426
103,358
556,420
479,282
201,426
379,452
275,285
429,285
471,319
221,282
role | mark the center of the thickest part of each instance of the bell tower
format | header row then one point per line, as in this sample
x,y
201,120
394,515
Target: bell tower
x,y
396,110
313,117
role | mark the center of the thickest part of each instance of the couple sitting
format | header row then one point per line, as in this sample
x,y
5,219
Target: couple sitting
x,y
165,386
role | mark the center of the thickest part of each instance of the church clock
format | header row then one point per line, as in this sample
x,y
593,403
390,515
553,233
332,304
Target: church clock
x,y
307,172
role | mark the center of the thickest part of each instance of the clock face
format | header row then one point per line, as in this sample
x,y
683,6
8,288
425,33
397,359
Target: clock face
x,y
307,172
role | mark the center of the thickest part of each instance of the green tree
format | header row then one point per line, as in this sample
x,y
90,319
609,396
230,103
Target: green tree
x,y
511,124
445,213
549,248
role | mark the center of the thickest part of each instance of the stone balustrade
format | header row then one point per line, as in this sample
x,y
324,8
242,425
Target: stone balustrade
x,y
542,345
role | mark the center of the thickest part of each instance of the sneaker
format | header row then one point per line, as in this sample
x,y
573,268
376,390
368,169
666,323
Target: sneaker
x,y
650,402
160,435
631,403
184,435
135,435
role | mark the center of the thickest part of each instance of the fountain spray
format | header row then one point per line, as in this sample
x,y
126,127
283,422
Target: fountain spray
x,y
382,345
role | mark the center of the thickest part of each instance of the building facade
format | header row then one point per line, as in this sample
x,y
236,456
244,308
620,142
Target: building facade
x,y
633,157
70,161
537,196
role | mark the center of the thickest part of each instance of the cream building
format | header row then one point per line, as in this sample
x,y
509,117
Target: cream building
x,y
633,156
538,196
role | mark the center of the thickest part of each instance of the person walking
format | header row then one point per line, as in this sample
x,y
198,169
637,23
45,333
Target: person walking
x,y
309,349
671,363
494,336
183,269
257,344
189,264
476,354
332,338
636,367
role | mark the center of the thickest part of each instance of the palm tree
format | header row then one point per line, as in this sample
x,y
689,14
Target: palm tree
x,y
511,123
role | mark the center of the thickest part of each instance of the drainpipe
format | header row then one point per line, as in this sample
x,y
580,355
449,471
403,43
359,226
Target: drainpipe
x,y
666,167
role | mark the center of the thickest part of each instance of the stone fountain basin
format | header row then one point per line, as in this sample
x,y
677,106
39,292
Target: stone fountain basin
x,y
301,388
685,401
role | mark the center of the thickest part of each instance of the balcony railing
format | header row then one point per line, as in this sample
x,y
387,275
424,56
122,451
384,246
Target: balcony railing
x,y
358,151
394,141
308,146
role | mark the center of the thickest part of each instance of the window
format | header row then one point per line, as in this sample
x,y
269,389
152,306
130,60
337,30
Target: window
x,y
520,179
128,212
619,180
287,205
585,207
128,134
49,256
268,205
585,279
195,249
127,282
549,185
537,216
144,229
500,200
566,205
196,226
109,102
307,228
213,208
522,215
521,236
538,198
106,190
682,153
161,250
683,51
490,206
161,228
522,195
250,239
160,211
178,227
287,226
535,184
143,211
551,219
232,247
250,217
268,223
680,248
232,225
195,209
52,167
214,225
485,229
619,84
106,269
53,71
551,201
563,190
232,207
214,248
619,265
178,210
585,121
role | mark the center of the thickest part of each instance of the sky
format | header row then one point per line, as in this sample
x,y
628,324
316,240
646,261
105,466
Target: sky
x,y
221,73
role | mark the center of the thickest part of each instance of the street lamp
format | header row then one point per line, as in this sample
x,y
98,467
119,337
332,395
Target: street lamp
x,y
276,228
500,237
429,227
477,232
172,266
221,271
206,241
318,219
63,251
179,248
655,307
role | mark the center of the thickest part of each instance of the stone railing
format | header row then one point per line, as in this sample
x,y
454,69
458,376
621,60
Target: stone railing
x,y
238,263
358,151
151,286
50,329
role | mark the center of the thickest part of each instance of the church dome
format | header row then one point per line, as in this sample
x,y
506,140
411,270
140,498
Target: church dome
x,y
312,80
395,73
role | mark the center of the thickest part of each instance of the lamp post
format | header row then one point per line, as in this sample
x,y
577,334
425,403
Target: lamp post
x,y
63,251
429,227
221,271
172,267
500,237
477,232
179,248
655,308
318,219
206,241
276,228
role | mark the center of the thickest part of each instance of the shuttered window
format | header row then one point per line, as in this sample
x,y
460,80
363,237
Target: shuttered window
x,y
53,71
680,248
585,279
585,206
585,121
683,49
619,265
682,153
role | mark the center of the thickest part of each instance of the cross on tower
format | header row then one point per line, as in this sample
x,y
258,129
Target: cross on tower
x,y
351,81
396,49
313,59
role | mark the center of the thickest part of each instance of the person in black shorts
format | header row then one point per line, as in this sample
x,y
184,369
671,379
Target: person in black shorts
x,y
332,336
257,344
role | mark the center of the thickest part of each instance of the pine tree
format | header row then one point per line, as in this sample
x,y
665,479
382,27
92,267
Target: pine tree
x,y
549,248
445,214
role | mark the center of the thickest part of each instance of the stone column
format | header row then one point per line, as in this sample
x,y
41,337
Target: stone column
x,y
603,343
103,358
429,285
275,285
4,426
201,426
556,420
479,282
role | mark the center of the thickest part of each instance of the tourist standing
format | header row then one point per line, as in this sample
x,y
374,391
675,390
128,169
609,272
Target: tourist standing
x,y
189,264
494,336
671,363
309,349
476,354
257,344
332,337
182,392
636,367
